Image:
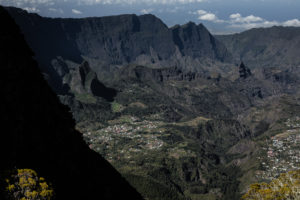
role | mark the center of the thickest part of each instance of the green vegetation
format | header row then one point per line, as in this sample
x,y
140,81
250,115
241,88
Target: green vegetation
x,y
24,184
116,107
182,138
85,98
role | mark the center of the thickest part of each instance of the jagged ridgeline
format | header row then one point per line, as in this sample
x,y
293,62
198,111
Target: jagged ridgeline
x,y
108,43
38,131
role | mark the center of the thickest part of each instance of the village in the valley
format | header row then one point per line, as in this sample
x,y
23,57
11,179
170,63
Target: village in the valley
x,y
130,136
282,153
125,138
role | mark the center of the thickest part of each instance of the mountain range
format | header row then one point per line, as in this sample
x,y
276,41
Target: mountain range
x,y
110,42
179,112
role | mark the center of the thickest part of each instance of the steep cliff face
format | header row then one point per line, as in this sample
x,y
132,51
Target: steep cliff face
x,y
196,41
84,81
110,42
39,131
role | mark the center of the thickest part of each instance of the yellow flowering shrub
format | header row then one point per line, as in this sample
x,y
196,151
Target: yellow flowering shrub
x,y
24,184
286,186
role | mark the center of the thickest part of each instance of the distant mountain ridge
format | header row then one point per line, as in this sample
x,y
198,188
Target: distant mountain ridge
x,y
265,47
110,42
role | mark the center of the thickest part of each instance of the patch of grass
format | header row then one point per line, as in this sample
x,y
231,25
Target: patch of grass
x,y
194,122
116,107
85,98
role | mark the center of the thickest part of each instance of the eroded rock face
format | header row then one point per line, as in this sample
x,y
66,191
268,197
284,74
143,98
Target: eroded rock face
x,y
83,80
39,131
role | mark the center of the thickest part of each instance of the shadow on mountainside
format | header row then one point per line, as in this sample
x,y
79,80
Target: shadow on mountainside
x,y
38,131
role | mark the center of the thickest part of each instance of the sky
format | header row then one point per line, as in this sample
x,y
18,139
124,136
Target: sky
x,y
219,16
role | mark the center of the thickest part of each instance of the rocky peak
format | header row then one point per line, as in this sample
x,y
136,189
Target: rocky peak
x,y
244,71
84,70
196,41
84,81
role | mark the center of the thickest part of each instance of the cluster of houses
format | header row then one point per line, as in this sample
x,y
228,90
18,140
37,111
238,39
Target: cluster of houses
x,y
134,135
281,154
293,123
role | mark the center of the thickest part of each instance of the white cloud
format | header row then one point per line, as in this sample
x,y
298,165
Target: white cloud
x,y
261,24
207,16
201,12
31,10
198,12
292,22
251,21
252,18
236,20
265,24
146,11
270,23
56,10
76,12
237,17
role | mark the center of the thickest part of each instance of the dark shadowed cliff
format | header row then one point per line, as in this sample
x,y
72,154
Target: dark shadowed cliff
x,y
38,132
